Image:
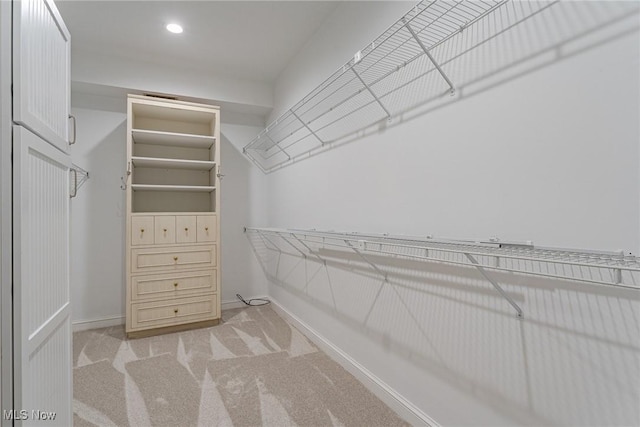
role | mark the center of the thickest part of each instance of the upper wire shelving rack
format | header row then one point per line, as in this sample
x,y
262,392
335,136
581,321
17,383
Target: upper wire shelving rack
x,y
599,268
371,87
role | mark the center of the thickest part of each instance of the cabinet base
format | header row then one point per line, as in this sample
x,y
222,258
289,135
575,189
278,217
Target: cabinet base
x,y
171,329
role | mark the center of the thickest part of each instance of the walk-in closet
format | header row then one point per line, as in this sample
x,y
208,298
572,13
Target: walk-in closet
x,y
308,213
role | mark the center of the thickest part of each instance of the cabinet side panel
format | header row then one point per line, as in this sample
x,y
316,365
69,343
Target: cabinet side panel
x,y
6,347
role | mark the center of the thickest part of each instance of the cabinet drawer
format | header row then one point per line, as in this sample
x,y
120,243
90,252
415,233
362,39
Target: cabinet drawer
x,y
186,229
171,285
173,258
174,311
165,229
141,230
207,230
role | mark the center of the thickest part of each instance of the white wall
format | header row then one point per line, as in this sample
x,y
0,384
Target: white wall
x,y
95,68
98,212
546,157
347,30
540,143
243,201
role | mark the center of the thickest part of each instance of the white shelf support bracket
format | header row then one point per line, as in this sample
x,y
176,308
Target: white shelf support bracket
x,y
293,246
254,161
495,285
277,146
309,249
375,267
307,126
265,240
261,152
431,58
372,94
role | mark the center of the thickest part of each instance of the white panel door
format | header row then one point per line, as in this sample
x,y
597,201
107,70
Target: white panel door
x,y
42,328
41,71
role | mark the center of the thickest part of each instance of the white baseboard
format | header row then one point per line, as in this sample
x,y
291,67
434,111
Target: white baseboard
x,y
83,325
388,395
227,305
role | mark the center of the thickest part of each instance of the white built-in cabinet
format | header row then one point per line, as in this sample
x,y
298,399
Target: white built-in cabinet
x,y
172,245
42,340
41,72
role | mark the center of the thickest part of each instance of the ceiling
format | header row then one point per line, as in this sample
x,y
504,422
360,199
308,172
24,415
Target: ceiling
x,y
252,40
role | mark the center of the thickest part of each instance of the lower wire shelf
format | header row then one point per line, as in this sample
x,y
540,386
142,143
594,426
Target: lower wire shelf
x,y
596,267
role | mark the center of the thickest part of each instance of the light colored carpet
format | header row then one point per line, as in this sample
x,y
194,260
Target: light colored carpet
x,y
253,369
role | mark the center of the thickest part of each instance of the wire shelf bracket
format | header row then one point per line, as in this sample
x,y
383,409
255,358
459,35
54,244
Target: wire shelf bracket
x,y
375,267
307,127
324,262
78,177
372,93
617,269
294,247
495,284
426,52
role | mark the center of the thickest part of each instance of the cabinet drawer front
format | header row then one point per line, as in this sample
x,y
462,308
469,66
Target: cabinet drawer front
x,y
165,229
207,230
142,230
173,312
157,286
186,229
150,259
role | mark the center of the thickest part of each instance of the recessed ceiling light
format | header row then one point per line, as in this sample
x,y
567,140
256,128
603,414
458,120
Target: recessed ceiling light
x,y
174,28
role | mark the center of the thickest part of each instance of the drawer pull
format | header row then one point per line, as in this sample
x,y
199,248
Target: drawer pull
x,y
175,284
142,230
175,258
165,230
186,229
206,229
175,310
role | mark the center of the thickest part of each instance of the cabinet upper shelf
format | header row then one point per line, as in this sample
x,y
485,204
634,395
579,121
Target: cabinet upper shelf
x,y
155,162
186,188
153,137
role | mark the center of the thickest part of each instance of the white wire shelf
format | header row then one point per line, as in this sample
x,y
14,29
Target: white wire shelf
x,y
372,86
601,268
